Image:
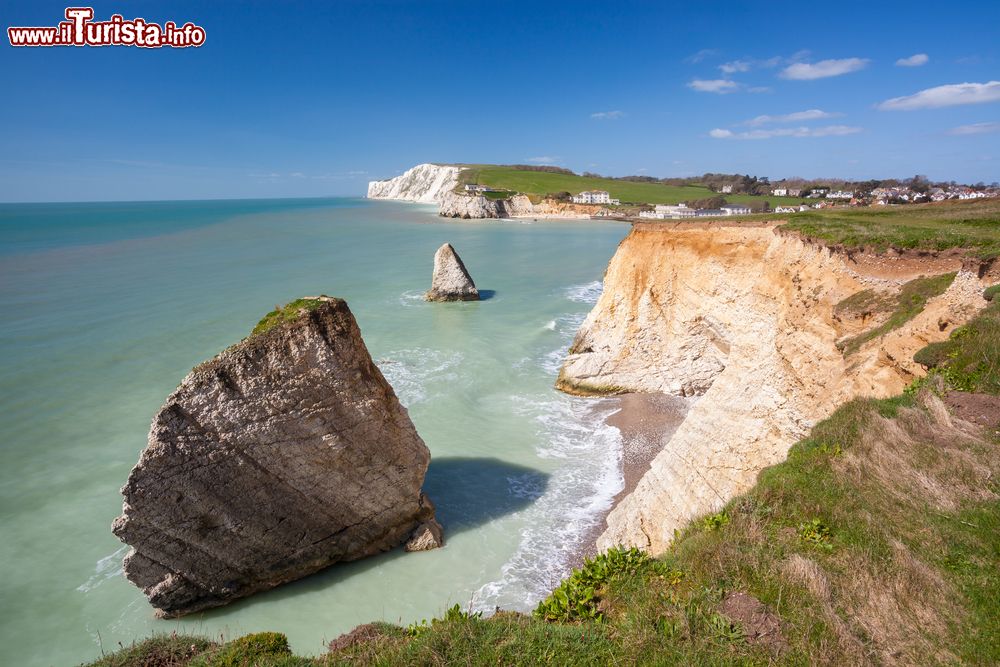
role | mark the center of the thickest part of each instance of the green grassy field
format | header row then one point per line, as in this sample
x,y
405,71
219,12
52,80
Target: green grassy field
x,y
541,183
971,224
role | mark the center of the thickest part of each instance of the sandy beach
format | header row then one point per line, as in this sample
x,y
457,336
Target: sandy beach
x,y
646,422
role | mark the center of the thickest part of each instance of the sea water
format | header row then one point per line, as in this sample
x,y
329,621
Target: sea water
x,y
107,306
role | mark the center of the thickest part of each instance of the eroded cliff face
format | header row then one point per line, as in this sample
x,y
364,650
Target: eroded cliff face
x,y
425,183
742,317
455,205
282,455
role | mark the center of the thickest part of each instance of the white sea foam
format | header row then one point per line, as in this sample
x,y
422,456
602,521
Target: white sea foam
x,y
585,293
566,327
418,374
576,494
579,490
412,298
108,567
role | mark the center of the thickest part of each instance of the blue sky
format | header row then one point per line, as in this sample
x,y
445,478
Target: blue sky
x,y
313,99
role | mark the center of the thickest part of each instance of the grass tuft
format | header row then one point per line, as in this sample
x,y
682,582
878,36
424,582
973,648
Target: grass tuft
x,y
287,313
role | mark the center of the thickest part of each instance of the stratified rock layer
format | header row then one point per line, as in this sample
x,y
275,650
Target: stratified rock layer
x,y
451,281
743,317
284,454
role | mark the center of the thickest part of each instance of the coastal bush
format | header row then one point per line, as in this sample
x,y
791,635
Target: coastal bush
x,y
715,521
816,533
261,648
577,597
171,650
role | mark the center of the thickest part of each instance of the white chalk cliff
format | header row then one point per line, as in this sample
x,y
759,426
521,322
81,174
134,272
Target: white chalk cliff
x,y
425,183
438,184
743,317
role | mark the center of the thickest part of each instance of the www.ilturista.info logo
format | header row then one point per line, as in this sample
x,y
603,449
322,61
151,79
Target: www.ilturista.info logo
x,y
80,30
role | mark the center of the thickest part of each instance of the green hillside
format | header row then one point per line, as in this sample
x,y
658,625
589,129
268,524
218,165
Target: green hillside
x,y
973,224
541,183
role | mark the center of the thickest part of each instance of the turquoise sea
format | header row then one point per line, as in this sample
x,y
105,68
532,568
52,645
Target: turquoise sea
x,y
107,306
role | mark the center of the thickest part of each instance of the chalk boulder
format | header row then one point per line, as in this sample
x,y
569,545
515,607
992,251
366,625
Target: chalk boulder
x,y
451,281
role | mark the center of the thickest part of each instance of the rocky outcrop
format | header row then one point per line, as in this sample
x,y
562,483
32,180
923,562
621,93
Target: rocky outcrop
x,y
425,183
742,317
456,205
282,455
451,281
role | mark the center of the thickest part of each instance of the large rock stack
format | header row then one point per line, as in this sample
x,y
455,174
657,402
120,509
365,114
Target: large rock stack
x,y
282,455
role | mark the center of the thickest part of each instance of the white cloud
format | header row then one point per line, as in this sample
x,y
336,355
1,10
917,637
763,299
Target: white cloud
x,y
796,132
701,55
735,66
916,60
607,115
747,64
823,69
945,96
720,86
544,159
795,117
975,128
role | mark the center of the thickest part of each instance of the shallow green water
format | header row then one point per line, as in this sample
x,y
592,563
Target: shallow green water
x,y
107,306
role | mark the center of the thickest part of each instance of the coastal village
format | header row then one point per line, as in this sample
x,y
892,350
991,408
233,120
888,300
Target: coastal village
x,y
824,198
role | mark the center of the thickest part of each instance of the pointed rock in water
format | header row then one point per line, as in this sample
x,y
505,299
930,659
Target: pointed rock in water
x,y
451,282
282,455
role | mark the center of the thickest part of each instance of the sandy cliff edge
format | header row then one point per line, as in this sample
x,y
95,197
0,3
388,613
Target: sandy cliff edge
x,y
743,317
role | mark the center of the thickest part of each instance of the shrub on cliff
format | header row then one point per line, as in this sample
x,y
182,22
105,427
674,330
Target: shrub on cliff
x,y
261,648
171,650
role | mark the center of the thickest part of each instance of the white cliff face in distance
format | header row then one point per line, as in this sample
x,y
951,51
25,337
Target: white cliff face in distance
x,y
425,183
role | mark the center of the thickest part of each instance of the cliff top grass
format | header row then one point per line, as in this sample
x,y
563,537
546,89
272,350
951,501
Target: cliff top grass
x,y
876,541
540,183
288,313
974,225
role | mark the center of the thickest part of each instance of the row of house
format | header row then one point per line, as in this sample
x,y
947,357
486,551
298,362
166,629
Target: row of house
x,y
683,211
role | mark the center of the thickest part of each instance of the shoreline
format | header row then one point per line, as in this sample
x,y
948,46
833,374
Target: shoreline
x,y
646,423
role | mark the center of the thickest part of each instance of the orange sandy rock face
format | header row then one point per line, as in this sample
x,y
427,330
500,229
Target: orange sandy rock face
x,y
743,317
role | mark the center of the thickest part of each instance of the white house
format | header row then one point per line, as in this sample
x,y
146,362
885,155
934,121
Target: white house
x,y
735,209
840,194
780,192
727,189
665,211
595,197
